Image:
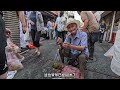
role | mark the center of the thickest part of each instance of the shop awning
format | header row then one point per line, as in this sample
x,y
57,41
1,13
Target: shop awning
x,y
105,13
48,13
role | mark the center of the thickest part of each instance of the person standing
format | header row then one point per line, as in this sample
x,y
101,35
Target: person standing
x,y
49,25
102,31
60,23
53,26
91,26
37,25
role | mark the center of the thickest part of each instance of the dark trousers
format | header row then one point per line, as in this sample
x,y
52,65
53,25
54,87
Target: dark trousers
x,y
35,37
101,37
81,61
92,38
61,35
56,34
3,60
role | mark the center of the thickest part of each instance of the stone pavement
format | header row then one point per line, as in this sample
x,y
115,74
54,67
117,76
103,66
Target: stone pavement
x,y
35,67
101,68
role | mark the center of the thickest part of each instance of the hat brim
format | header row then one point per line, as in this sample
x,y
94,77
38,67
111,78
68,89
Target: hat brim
x,y
75,21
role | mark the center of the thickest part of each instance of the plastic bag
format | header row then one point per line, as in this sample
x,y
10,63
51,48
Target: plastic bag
x,y
26,36
115,64
57,56
11,45
110,52
13,62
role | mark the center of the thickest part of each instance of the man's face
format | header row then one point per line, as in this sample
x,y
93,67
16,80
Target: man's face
x,y
72,28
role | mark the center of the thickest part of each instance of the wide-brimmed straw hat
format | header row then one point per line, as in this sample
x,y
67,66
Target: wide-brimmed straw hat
x,y
70,21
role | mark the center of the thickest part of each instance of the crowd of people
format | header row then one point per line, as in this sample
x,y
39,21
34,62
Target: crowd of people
x,y
76,42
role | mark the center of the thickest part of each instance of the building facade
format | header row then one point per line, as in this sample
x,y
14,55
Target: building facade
x,y
112,19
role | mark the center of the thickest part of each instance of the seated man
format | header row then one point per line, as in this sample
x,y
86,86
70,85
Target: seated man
x,y
76,42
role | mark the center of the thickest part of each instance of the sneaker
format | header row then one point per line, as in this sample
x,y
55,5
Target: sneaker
x,y
31,46
34,53
91,58
27,46
38,53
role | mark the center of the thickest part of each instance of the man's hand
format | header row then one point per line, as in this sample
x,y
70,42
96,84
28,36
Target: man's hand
x,y
59,40
67,45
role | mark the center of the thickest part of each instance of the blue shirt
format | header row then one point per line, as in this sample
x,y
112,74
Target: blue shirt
x,y
79,40
49,25
33,19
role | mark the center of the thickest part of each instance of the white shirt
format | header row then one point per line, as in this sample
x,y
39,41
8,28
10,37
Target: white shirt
x,y
60,22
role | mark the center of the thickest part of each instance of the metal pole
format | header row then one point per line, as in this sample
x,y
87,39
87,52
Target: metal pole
x,y
119,25
112,26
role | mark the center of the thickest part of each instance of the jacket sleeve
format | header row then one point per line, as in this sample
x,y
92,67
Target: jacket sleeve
x,y
40,20
40,17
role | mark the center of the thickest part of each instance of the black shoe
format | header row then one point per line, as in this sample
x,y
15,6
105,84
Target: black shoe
x,y
27,47
91,59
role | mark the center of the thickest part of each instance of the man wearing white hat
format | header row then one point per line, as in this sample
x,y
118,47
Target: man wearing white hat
x,y
76,42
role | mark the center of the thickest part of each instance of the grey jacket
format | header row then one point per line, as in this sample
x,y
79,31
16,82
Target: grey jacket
x,y
40,22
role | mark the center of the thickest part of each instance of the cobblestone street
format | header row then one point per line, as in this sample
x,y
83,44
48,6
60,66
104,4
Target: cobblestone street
x,y
35,67
75,32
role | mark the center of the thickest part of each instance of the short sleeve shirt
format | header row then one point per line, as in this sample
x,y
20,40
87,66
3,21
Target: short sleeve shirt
x,y
60,22
79,40
93,24
49,25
